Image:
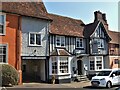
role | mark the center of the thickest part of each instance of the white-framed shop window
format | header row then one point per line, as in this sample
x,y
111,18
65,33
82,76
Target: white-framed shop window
x,y
35,39
2,24
3,53
96,62
63,64
60,41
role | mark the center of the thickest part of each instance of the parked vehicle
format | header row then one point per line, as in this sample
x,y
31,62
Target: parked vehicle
x,y
106,78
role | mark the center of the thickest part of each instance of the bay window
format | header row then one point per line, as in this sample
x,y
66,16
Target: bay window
x,y
59,65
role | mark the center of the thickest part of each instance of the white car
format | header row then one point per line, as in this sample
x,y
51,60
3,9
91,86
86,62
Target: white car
x,y
106,78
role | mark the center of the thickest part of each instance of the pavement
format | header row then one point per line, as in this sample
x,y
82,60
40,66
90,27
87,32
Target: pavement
x,y
46,85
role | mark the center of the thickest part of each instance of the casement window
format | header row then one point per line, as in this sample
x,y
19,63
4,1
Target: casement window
x,y
35,39
3,53
79,43
96,63
2,24
92,63
54,65
63,64
100,43
60,41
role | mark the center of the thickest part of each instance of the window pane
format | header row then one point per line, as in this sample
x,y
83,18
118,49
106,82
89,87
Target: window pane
x,y
62,41
38,39
58,41
2,19
92,65
1,29
32,39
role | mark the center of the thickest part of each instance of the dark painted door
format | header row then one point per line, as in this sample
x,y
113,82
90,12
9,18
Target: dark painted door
x,y
79,66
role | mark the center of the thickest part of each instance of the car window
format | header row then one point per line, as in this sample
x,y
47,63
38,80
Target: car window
x,y
118,72
115,72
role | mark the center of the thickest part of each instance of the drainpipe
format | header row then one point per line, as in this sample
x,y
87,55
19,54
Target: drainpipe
x,y
19,44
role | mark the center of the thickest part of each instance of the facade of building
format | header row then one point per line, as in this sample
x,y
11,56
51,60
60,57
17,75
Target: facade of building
x,y
10,40
50,45
114,50
67,48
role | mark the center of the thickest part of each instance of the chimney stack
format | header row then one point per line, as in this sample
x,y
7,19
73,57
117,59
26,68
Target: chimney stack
x,y
99,16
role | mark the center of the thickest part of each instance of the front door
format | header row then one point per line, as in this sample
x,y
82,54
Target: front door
x,y
79,66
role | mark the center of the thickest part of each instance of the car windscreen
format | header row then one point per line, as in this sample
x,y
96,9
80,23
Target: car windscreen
x,y
103,73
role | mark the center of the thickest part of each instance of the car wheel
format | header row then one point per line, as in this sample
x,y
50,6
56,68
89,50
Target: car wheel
x,y
109,84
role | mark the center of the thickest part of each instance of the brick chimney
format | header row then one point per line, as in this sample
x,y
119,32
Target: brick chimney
x,y
99,16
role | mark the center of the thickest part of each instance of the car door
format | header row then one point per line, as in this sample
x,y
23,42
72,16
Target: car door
x,y
114,78
119,76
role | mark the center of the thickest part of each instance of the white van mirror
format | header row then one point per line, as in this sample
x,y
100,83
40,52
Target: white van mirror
x,y
113,75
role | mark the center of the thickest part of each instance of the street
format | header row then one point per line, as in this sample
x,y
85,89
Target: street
x,y
45,86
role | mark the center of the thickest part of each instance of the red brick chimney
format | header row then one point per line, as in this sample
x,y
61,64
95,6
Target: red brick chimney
x,y
99,16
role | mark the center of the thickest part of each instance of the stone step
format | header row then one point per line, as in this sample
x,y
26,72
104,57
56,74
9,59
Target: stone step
x,y
82,78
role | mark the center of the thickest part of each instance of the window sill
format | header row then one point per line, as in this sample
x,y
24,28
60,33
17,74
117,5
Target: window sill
x,y
82,48
35,45
61,46
2,34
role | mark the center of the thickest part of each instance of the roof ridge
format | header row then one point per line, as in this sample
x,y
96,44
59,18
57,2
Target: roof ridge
x,y
64,16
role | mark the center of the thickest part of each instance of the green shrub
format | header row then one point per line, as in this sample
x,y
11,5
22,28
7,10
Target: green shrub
x,y
9,75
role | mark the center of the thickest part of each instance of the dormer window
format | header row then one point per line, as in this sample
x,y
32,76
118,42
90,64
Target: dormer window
x,y
2,24
60,41
79,43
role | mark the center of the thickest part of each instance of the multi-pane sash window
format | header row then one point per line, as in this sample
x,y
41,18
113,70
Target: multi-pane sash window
x,y
2,24
79,42
3,52
54,65
60,41
63,64
92,63
35,39
96,63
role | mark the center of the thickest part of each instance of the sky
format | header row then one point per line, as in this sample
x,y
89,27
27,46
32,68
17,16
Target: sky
x,y
85,11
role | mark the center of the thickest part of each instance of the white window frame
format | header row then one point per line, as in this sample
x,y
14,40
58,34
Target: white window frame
x,y
95,60
60,41
4,24
35,33
80,42
6,45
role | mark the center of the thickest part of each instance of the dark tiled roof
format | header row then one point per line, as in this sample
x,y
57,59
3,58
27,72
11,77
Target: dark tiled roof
x,y
66,26
60,52
33,9
90,28
115,36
